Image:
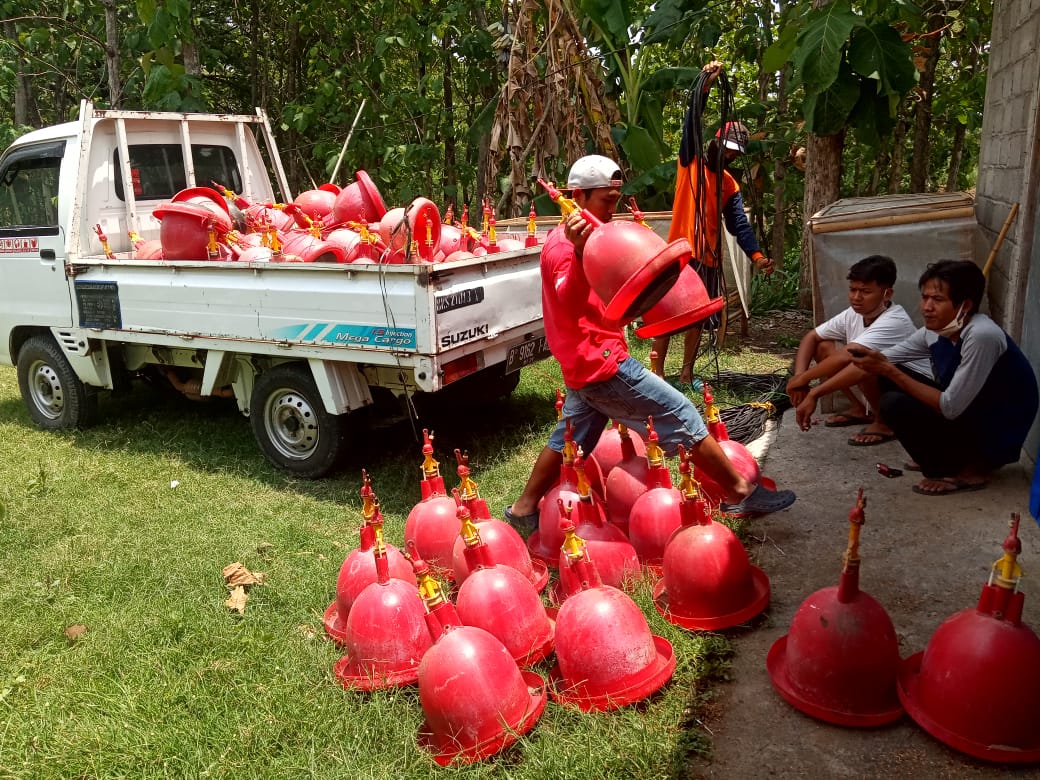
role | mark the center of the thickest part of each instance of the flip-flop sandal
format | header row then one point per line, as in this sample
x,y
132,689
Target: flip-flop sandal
x,y
762,501
911,466
958,486
524,524
847,420
879,438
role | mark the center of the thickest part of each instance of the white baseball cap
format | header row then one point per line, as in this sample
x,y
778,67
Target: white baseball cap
x,y
593,171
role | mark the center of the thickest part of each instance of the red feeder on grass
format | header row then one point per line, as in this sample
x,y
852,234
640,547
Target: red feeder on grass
x,y
627,478
976,684
655,514
432,524
708,582
840,658
739,455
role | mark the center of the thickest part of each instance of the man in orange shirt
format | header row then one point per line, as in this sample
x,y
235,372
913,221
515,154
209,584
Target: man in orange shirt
x,y
699,197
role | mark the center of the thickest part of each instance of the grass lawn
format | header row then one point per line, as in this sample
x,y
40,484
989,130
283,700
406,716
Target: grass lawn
x,y
124,529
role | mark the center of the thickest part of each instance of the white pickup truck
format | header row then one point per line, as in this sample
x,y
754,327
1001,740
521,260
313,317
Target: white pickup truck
x,y
300,346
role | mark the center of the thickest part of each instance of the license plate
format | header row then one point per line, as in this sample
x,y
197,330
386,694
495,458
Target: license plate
x,y
527,352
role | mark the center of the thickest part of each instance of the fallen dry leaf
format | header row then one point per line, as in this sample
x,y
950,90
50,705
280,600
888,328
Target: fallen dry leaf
x,y
75,631
236,574
307,631
237,600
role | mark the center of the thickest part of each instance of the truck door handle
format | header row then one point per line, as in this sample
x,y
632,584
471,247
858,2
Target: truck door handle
x,y
47,254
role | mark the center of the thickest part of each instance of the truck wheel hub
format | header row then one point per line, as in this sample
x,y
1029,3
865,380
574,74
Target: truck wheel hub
x,y
291,424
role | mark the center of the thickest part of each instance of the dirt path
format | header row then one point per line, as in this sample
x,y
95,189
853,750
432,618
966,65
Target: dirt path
x,y
924,559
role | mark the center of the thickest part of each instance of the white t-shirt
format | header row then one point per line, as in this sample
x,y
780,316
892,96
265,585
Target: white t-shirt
x,y
893,326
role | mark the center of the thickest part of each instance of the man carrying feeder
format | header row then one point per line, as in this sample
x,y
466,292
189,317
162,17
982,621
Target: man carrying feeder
x,y
969,415
707,194
603,381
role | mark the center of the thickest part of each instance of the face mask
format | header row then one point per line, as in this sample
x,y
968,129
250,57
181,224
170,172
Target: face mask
x,y
953,326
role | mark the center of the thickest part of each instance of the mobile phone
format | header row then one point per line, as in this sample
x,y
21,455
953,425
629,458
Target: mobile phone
x,y
857,352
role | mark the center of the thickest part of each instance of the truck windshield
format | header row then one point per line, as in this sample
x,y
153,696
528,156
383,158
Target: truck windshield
x,y
29,186
157,170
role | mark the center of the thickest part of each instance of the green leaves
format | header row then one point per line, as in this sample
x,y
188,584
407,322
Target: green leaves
x,y
818,55
878,52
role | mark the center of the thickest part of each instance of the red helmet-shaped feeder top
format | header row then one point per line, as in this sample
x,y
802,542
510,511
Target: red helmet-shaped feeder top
x,y
432,524
506,545
630,268
616,561
655,514
386,634
840,657
476,700
976,684
628,478
359,201
606,655
743,461
708,582
502,601
359,567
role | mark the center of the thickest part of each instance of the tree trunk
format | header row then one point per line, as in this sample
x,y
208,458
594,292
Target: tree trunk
x,y
450,162
21,86
778,238
822,187
921,155
115,89
895,166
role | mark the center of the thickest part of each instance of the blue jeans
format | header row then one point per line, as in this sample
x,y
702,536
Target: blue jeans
x,y
630,396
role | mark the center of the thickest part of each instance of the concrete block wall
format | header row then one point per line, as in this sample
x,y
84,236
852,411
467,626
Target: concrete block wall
x,y
1009,172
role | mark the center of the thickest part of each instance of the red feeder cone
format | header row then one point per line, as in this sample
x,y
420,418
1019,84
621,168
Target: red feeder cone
x,y
359,567
386,634
432,524
839,660
502,601
742,459
606,656
708,582
683,306
655,514
627,478
976,684
476,700
544,543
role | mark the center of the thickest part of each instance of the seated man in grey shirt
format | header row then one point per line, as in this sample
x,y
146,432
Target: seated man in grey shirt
x,y
972,414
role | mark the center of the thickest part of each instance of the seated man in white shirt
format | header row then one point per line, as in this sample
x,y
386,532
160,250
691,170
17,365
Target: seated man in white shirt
x,y
871,321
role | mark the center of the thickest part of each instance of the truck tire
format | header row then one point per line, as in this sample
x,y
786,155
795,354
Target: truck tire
x,y
55,397
291,425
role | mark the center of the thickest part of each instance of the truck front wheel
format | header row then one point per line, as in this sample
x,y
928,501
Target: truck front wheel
x,y
291,424
53,394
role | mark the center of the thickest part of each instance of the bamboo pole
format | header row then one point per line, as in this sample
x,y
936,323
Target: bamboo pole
x,y
1000,239
894,219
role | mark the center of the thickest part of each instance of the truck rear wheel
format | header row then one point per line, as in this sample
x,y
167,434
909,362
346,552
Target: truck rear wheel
x,y
53,394
291,425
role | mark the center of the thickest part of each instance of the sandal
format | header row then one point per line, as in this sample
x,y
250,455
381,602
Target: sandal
x,y
524,524
876,438
956,486
847,420
762,501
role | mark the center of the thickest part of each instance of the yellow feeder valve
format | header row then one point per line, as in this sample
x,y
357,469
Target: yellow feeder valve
x,y
468,530
430,466
857,517
532,221
654,453
1006,572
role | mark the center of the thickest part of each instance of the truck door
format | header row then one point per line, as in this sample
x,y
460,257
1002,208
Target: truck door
x,y
33,287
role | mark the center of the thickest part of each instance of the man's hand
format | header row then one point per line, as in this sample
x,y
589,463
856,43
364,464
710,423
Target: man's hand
x,y
713,69
796,390
803,414
869,360
577,231
766,264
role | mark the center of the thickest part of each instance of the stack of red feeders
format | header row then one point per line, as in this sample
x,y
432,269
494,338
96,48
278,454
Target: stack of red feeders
x,y
386,634
655,514
506,545
708,582
616,561
359,567
627,473
476,700
432,524
743,461
976,684
502,601
606,656
840,659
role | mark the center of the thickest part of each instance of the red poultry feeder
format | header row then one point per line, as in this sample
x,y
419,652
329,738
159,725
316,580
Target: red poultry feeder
x,y
432,524
655,514
839,661
628,479
476,700
500,600
684,305
386,633
189,231
316,204
207,197
976,684
359,201
708,582
606,655
359,567
313,249
739,455
610,451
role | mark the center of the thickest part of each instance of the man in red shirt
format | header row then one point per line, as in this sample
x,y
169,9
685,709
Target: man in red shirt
x,y
603,381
